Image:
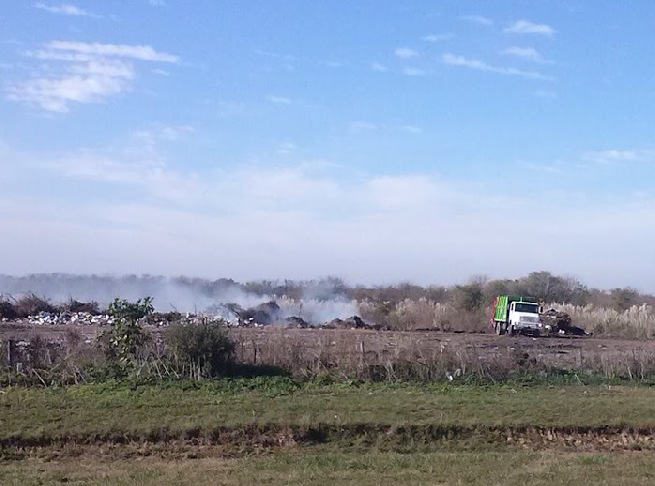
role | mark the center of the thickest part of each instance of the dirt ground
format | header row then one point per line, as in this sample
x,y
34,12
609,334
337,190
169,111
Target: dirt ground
x,y
566,352
560,351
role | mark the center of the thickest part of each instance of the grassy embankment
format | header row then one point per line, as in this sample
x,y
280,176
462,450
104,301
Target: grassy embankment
x,y
276,431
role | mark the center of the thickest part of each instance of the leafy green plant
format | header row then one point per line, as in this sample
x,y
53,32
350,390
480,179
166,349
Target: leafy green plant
x,y
123,341
202,349
131,311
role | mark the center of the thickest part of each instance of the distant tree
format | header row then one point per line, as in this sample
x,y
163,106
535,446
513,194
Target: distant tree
x,y
499,287
624,298
468,297
550,288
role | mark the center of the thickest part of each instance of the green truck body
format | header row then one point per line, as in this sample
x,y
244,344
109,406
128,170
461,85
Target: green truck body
x,y
502,304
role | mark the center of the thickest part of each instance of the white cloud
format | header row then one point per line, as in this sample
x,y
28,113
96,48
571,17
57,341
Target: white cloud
x,y
376,66
56,94
286,148
478,65
64,9
282,100
332,64
526,53
301,222
546,94
411,129
526,27
359,126
478,19
405,53
165,133
140,52
614,157
80,72
437,37
410,71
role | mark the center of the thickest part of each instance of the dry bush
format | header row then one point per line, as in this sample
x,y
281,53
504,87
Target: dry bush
x,y
32,304
76,306
636,322
7,310
424,314
376,356
420,314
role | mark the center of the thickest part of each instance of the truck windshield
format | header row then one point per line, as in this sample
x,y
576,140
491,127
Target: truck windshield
x,y
525,307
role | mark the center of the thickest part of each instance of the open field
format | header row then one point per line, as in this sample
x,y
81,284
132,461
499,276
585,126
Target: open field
x,y
278,431
565,352
364,407
275,345
316,466
79,412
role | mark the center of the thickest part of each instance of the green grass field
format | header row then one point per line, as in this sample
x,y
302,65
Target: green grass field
x,y
280,433
317,467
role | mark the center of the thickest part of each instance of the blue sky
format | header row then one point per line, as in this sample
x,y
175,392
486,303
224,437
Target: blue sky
x,y
377,141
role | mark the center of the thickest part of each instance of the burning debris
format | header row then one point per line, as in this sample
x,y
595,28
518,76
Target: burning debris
x,y
291,314
561,323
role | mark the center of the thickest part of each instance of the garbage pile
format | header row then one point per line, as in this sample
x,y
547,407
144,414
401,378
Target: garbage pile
x,y
561,323
229,314
270,313
64,318
354,322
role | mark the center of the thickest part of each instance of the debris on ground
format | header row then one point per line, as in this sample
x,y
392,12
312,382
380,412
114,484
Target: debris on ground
x,y
561,323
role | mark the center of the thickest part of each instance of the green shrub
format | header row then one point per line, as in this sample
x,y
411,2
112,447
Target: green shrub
x,y
123,342
199,350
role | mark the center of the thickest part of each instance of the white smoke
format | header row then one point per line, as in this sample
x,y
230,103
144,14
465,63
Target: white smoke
x,y
321,301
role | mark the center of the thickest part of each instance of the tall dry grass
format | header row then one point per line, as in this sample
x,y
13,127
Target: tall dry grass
x,y
368,355
637,322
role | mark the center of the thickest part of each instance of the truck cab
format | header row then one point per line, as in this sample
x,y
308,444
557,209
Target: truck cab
x,y
516,314
524,317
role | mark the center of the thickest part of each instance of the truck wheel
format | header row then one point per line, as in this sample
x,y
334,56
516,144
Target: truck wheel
x,y
512,330
498,327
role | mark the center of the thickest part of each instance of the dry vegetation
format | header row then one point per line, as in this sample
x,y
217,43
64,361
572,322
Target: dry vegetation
x,y
431,399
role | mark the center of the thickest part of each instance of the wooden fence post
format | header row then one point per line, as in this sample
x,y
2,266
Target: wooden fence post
x,y
11,353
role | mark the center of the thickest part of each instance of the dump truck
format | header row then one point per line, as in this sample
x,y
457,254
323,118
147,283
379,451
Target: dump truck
x,y
516,315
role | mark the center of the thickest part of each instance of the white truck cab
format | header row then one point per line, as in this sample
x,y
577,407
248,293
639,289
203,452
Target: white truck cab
x,y
516,314
523,317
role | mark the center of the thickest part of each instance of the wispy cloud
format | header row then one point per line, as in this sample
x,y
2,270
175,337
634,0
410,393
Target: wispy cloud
x,y
526,27
615,157
411,129
157,3
525,53
162,133
412,71
140,52
381,68
359,126
181,211
437,37
332,64
282,100
478,20
545,94
286,148
476,64
64,9
405,53
80,72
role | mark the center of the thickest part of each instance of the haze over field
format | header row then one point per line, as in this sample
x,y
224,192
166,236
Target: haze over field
x,y
375,141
